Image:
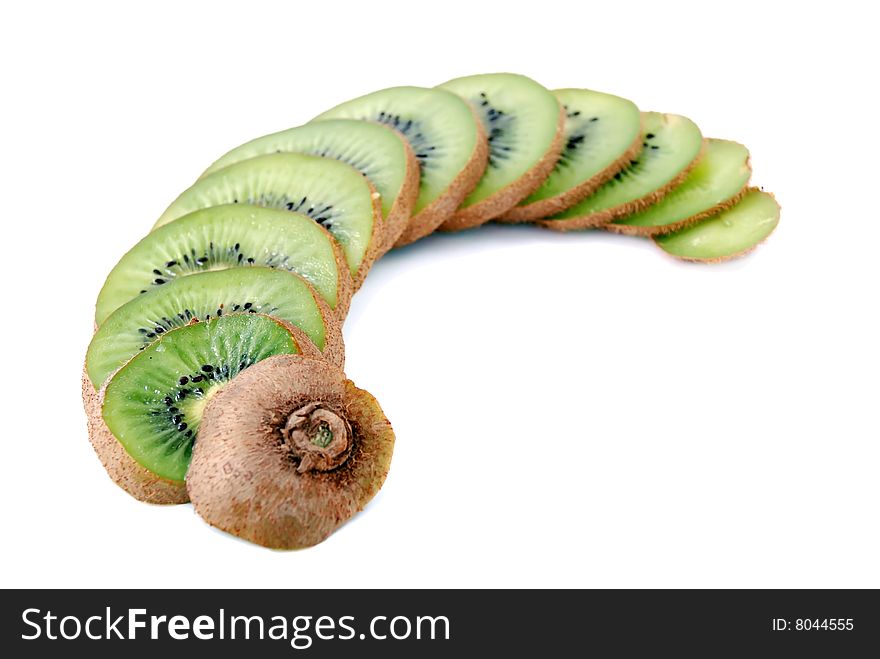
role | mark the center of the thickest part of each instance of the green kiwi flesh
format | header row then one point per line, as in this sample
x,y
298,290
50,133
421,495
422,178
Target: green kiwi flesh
x,y
602,135
137,324
717,181
153,405
378,152
670,148
446,137
332,193
728,234
230,236
524,125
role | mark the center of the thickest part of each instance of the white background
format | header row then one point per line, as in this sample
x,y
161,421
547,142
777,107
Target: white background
x,y
571,410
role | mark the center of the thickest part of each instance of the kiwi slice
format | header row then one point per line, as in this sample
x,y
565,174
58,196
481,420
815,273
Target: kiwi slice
x,y
602,134
288,452
332,193
153,405
140,322
717,182
230,236
727,234
446,137
123,470
524,124
671,147
377,152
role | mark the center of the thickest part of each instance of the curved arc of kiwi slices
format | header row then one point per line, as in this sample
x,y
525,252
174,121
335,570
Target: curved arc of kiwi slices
x,y
289,448
152,406
718,182
230,236
378,152
333,455
331,192
487,94
728,234
542,203
446,136
585,215
137,324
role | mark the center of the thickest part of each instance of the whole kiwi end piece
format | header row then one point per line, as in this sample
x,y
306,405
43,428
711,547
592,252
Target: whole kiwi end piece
x,y
288,452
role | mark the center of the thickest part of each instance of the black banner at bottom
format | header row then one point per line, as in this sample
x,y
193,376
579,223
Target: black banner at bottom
x,y
285,623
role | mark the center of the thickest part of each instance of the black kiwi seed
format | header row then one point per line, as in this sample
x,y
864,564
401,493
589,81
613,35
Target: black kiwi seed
x,y
501,123
165,323
412,130
174,415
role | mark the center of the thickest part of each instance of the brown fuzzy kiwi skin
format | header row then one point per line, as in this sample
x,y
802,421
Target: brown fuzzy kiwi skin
x,y
123,469
376,246
334,344
568,198
727,204
508,197
345,282
244,480
647,232
444,207
608,215
400,214
729,257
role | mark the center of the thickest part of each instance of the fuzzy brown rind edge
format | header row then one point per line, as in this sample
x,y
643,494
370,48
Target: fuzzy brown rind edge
x,y
443,207
401,213
375,248
242,479
565,200
603,217
123,469
735,255
659,230
509,196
